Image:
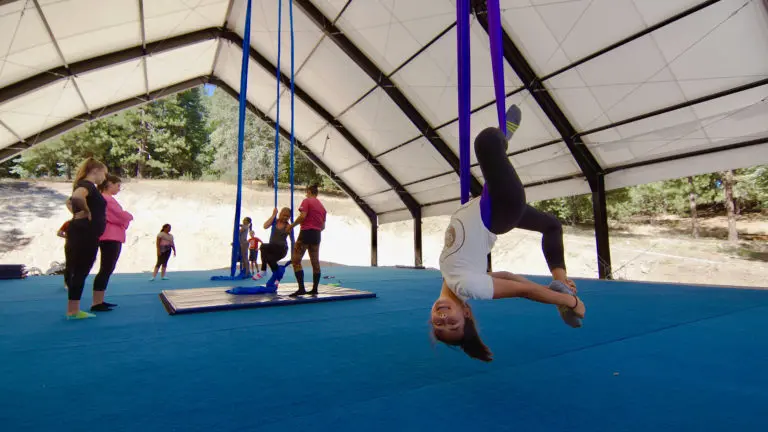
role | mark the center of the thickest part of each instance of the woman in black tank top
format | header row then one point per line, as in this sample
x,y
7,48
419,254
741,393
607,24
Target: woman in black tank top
x,y
89,220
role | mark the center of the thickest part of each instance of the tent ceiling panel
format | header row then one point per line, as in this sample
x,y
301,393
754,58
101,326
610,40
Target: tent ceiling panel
x,y
332,79
430,80
101,26
307,122
339,155
414,161
168,18
34,112
261,84
716,161
385,201
717,123
390,32
170,67
717,33
264,31
6,137
262,92
543,164
26,48
554,34
571,187
364,179
379,123
641,76
119,82
394,216
702,49
330,8
441,209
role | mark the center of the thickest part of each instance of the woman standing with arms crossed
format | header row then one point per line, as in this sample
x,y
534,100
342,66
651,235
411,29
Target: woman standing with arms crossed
x,y
88,224
110,243
312,220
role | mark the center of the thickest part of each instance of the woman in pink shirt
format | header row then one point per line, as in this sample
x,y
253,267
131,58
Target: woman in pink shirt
x,y
110,243
312,221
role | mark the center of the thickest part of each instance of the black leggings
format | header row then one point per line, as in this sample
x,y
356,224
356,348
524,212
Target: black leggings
x,y
110,252
80,250
503,203
271,254
162,259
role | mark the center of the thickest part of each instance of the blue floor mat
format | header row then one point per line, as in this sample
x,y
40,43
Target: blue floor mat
x,y
649,357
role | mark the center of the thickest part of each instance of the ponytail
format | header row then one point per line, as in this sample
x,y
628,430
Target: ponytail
x,y
85,168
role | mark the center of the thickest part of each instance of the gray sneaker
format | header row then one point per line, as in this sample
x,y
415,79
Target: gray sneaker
x,y
566,313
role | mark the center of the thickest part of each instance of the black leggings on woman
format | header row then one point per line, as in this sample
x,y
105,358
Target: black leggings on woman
x,y
503,205
110,252
271,254
80,250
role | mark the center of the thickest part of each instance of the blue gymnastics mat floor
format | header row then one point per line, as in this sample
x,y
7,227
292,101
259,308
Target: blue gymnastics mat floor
x,y
650,357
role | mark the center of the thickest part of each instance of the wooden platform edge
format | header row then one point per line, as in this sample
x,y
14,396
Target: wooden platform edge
x,y
167,303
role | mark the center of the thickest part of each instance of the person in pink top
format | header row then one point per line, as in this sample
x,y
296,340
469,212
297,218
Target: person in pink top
x,y
110,243
312,221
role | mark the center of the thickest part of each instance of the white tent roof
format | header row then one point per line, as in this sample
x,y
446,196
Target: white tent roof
x,y
627,91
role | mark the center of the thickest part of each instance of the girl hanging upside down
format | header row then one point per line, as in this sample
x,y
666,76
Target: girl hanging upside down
x,y
469,239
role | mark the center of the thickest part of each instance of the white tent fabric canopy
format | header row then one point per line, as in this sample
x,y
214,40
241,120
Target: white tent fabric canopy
x,y
649,89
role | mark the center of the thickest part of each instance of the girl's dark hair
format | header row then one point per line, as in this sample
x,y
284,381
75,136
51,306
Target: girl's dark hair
x,y
471,343
313,189
165,226
247,219
110,179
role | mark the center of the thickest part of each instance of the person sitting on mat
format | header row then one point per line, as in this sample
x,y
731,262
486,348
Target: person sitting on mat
x,y
469,239
277,248
164,245
312,220
245,228
253,255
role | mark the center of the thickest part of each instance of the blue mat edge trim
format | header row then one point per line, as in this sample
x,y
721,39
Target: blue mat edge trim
x,y
171,309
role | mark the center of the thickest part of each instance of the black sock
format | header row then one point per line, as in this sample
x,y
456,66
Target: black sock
x,y
299,278
315,281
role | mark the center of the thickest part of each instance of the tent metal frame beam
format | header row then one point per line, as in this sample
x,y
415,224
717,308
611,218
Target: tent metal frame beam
x,y
60,53
144,46
367,209
51,76
114,108
381,79
587,163
405,196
